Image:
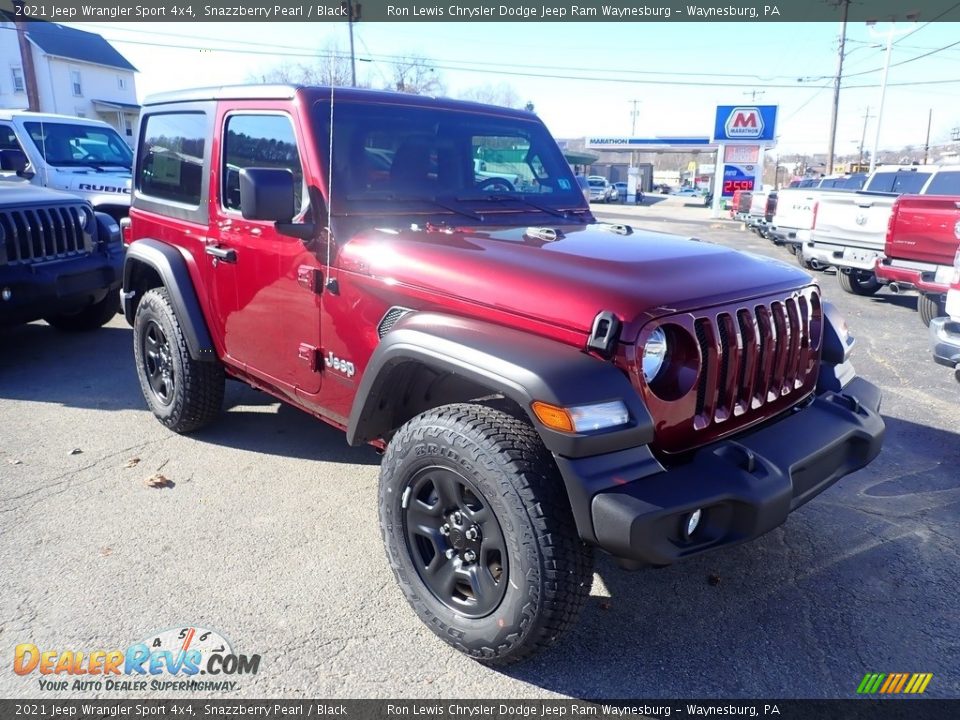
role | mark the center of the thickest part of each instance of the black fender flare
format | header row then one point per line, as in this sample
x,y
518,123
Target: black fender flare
x,y
518,365
171,267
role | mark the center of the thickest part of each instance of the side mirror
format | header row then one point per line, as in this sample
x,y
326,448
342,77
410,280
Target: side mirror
x,y
15,160
267,194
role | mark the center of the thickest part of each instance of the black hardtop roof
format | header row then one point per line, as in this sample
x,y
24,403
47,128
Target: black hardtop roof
x,y
288,92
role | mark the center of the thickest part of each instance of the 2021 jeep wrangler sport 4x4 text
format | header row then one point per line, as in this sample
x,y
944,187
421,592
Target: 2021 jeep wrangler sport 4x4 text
x,y
541,383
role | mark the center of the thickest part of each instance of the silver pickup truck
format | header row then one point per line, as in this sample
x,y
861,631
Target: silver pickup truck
x,y
850,229
793,219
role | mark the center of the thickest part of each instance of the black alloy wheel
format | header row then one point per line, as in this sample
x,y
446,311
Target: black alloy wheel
x,y
455,541
158,363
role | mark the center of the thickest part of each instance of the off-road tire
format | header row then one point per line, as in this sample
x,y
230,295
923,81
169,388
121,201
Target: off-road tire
x,y
196,389
89,318
548,569
930,307
858,282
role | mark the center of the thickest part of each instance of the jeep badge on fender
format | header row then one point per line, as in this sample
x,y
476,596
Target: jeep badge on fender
x,y
537,395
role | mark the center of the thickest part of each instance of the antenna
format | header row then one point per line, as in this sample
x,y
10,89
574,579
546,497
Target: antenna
x,y
330,283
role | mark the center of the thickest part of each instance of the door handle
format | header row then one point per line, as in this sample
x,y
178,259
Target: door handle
x,y
221,253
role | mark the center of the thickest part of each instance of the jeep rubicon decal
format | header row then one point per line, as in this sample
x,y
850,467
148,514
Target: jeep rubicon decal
x,y
536,398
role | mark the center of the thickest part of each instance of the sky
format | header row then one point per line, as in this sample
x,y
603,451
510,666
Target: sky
x,y
678,72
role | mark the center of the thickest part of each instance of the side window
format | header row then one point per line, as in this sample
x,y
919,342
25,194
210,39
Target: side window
x,y
262,141
944,183
171,161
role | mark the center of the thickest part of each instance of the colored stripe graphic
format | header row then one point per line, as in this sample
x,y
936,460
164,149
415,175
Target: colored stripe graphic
x,y
894,683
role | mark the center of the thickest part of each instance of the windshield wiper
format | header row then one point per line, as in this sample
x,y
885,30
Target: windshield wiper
x,y
494,197
99,166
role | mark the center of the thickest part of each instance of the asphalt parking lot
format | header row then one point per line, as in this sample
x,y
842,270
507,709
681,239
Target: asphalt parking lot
x,y
267,531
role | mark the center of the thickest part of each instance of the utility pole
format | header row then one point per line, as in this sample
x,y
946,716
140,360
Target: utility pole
x,y
926,145
863,136
633,116
836,85
753,94
883,94
352,11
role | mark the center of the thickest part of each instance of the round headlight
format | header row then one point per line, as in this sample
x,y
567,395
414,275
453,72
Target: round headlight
x,y
654,354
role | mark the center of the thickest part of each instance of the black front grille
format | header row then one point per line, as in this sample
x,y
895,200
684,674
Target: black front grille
x,y
39,234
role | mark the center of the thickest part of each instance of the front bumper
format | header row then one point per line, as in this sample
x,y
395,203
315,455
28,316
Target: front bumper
x,y
50,288
945,341
745,486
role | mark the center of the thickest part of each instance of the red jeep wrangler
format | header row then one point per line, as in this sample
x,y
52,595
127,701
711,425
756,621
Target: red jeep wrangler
x,y
541,383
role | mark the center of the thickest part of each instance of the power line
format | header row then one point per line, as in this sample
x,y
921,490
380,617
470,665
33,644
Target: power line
x,y
908,60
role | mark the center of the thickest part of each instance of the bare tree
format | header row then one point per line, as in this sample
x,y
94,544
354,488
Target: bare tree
x,y
503,95
331,67
414,74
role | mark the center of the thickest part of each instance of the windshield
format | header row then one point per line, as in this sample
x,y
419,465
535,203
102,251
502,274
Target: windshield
x,y
69,145
597,183
447,161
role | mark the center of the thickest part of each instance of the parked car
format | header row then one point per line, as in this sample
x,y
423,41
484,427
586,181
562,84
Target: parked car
x,y
86,158
850,228
945,331
59,260
621,188
540,383
923,236
601,190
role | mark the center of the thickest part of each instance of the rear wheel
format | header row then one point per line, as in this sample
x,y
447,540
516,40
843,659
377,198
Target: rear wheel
x,y
858,282
479,532
90,317
184,394
930,307
798,254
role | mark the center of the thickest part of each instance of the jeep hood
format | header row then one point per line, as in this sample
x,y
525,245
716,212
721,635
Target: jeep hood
x,y
566,281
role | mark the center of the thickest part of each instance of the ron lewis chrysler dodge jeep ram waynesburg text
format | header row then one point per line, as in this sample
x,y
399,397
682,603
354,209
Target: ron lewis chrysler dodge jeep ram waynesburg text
x,y
541,383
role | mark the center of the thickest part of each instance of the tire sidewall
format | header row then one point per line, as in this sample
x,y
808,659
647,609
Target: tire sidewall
x,y
516,615
153,307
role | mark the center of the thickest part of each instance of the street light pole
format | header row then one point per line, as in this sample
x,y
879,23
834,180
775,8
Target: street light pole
x,y
883,92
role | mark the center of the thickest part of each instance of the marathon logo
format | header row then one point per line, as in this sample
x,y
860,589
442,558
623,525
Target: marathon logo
x,y
744,123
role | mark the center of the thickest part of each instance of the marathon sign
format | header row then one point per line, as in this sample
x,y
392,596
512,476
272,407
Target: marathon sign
x,y
745,123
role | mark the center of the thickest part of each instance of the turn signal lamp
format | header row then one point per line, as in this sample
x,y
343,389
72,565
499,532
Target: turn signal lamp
x,y
582,418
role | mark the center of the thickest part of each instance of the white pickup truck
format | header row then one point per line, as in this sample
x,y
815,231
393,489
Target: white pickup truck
x,y
793,219
850,228
86,158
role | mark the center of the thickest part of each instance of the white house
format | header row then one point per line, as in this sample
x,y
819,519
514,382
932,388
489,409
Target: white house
x,y
75,73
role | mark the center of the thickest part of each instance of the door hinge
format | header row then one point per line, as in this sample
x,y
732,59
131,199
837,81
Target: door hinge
x,y
310,278
311,356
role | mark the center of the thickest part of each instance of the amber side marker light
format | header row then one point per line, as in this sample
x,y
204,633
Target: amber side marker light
x,y
582,418
555,418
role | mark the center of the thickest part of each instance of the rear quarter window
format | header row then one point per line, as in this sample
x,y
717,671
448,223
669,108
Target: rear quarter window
x,y
171,157
945,183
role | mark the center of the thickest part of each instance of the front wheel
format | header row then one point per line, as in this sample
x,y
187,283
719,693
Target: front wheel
x,y
858,282
184,394
89,318
479,532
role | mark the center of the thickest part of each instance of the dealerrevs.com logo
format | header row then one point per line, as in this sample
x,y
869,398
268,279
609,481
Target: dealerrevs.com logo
x,y
186,658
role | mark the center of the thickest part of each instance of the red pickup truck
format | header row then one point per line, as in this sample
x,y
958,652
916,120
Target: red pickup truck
x,y
922,238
